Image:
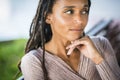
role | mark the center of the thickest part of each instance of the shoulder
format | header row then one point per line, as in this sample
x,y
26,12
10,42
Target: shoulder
x,y
100,40
31,66
31,58
103,45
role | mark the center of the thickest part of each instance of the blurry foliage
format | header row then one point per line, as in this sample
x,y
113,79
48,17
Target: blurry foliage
x,y
10,54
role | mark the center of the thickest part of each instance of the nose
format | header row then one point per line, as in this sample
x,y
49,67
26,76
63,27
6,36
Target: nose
x,y
78,20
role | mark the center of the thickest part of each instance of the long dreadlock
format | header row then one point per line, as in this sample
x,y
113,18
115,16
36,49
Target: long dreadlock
x,y
40,31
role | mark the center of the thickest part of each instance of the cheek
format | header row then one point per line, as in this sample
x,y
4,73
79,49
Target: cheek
x,y
70,21
64,21
86,19
59,23
85,22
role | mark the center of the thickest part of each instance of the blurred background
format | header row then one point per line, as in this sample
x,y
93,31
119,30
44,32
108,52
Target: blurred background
x,y
16,17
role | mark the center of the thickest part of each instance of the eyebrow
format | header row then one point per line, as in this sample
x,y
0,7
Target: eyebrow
x,y
74,6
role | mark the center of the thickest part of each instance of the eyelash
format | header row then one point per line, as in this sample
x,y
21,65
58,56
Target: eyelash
x,y
82,12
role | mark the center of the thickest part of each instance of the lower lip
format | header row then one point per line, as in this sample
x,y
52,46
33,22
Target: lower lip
x,y
76,30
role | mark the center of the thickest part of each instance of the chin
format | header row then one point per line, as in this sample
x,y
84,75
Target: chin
x,y
72,38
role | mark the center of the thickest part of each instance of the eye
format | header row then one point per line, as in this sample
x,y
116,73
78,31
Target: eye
x,y
69,12
84,12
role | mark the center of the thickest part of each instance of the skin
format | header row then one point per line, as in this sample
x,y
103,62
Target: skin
x,y
68,20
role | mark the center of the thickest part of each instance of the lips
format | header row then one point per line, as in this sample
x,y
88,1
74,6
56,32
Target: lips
x,y
76,29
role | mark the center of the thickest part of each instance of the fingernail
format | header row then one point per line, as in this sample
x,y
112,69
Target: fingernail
x,y
68,47
69,53
72,41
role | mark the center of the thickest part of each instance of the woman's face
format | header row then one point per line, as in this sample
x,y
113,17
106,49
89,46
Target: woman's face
x,y
68,18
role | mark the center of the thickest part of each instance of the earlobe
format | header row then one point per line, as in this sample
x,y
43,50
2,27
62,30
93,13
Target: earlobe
x,y
48,19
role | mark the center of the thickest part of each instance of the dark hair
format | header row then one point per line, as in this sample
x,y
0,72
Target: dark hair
x,y
40,31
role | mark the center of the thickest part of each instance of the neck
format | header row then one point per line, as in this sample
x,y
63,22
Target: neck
x,y
57,46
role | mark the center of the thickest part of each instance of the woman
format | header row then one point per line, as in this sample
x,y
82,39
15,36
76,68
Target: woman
x,y
58,49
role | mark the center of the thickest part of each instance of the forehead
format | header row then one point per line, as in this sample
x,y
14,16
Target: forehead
x,y
72,2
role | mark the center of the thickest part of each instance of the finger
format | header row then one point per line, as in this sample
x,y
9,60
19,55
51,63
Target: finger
x,y
68,45
81,41
70,50
76,43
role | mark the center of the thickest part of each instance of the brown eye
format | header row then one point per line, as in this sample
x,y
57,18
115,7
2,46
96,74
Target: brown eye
x,y
69,12
84,12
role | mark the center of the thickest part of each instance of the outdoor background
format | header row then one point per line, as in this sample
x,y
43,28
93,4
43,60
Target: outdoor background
x,y
15,20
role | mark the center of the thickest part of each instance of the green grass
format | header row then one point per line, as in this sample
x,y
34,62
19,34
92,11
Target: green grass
x,y
10,54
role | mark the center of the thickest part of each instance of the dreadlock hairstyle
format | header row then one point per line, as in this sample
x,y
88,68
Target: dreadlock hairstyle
x,y
40,31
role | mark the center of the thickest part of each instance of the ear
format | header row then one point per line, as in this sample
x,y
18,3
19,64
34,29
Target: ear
x,y
48,19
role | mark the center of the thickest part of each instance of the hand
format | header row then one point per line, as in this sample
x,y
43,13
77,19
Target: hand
x,y
86,47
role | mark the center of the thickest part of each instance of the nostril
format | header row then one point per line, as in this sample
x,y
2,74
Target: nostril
x,y
78,21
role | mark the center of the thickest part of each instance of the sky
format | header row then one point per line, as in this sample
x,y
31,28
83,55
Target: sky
x,y
16,16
